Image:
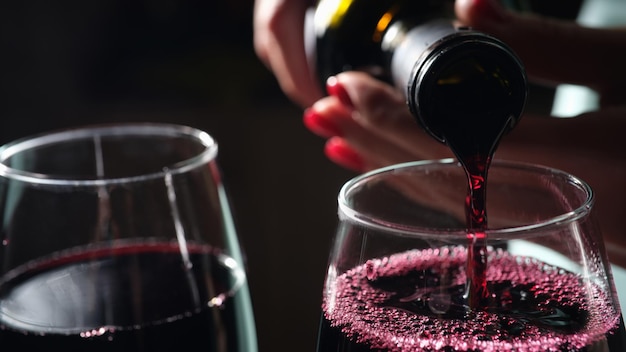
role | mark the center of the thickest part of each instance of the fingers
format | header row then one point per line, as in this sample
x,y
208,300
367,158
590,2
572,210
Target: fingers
x,y
552,50
382,111
279,43
350,144
371,118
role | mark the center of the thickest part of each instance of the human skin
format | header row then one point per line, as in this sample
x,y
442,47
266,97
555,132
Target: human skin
x,y
368,125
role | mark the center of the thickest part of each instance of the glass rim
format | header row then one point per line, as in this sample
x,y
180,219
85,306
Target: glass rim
x,y
373,222
113,129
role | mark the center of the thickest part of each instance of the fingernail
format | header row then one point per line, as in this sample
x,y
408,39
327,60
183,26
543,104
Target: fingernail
x,y
490,9
338,151
320,125
334,88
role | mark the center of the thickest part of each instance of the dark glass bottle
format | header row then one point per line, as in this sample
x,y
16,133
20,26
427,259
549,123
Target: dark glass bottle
x,y
448,74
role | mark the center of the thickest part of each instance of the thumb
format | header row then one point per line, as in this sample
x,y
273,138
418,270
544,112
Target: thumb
x,y
552,50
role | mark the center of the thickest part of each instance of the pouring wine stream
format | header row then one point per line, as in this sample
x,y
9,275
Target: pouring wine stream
x,y
474,146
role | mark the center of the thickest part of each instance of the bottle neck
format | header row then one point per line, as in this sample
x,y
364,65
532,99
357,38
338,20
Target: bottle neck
x,y
438,53
409,47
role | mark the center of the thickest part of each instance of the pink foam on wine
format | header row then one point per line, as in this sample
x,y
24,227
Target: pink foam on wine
x,y
358,309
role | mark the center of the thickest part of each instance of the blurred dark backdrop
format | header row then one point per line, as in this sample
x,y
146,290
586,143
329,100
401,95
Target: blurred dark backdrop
x,y
70,63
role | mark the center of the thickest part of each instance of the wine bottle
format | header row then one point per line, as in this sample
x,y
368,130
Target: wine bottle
x,y
449,74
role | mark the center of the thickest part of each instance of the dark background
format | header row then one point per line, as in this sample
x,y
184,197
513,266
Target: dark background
x,y
70,63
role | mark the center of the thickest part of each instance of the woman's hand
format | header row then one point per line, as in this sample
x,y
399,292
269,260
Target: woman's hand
x,y
279,43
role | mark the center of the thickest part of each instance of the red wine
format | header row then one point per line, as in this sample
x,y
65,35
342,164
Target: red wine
x,y
414,301
470,111
139,297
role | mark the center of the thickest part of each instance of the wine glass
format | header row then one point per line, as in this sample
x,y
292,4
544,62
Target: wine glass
x,y
119,238
400,270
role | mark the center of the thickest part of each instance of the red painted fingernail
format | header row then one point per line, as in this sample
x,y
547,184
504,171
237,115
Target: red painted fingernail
x,y
320,125
334,88
338,150
490,9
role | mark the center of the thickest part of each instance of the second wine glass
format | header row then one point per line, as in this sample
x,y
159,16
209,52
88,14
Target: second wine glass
x,y
119,238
